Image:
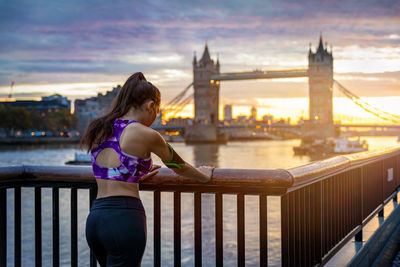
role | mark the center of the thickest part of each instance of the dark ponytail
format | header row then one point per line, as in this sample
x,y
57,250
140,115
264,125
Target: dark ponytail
x,y
135,92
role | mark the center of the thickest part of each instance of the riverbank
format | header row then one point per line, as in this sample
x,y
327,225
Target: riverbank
x,y
39,140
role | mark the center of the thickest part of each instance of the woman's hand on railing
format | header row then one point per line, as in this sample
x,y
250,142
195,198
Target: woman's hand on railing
x,y
207,171
153,171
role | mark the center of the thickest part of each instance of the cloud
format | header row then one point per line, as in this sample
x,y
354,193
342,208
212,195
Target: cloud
x,y
82,41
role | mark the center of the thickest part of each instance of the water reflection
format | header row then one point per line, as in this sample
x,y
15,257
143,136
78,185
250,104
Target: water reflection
x,y
206,154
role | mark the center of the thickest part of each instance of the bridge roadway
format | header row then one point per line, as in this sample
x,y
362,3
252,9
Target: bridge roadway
x,y
181,127
259,74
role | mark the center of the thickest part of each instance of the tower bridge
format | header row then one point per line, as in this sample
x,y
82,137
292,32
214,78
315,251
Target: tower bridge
x,y
207,80
206,83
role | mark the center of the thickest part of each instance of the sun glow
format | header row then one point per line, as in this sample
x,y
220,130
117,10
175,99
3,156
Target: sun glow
x,y
296,108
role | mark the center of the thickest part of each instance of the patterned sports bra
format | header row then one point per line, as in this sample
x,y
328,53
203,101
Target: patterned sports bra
x,y
131,168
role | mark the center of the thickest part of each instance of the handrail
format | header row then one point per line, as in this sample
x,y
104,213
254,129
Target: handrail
x,y
278,179
248,180
315,171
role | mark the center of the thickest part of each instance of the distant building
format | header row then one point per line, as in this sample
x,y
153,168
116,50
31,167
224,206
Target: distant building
x,y
242,119
253,114
93,107
227,112
47,105
179,121
58,98
269,119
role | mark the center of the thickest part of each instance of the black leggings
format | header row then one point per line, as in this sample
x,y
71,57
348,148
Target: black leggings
x,y
116,230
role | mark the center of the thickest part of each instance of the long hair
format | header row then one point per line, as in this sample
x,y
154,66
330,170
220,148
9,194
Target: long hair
x,y
135,92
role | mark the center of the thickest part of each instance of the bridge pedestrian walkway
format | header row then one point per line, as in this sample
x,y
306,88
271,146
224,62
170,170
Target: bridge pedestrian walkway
x,y
380,244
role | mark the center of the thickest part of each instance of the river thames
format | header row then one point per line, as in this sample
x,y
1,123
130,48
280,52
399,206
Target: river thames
x,y
246,155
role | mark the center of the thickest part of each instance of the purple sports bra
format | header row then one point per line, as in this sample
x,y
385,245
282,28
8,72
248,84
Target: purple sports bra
x,y
131,168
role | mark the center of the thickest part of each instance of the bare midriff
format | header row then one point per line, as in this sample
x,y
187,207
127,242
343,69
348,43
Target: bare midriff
x,y
107,188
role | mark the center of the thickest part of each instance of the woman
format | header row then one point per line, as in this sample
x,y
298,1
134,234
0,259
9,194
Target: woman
x,y
120,144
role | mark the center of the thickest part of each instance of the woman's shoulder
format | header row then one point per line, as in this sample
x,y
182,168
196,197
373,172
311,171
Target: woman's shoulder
x,y
140,128
137,140
140,131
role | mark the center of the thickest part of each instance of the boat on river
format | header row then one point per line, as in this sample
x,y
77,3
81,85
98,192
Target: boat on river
x,y
331,146
346,146
80,159
316,146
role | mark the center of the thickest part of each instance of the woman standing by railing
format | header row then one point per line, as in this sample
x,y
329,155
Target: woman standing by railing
x,y
121,143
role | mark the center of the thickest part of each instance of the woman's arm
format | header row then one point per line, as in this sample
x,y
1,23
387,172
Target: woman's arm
x,y
202,174
166,153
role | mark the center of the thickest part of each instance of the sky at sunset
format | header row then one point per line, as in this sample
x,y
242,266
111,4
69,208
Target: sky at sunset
x,y
81,48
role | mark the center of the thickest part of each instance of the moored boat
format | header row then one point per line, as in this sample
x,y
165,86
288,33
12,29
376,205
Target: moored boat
x,y
317,146
80,159
345,146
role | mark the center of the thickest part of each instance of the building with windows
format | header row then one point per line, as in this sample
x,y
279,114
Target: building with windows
x,y
228,113
269,119
93,107
47,104
253,114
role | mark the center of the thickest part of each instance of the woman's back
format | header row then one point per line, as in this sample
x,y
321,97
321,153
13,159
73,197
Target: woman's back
x,y
120,161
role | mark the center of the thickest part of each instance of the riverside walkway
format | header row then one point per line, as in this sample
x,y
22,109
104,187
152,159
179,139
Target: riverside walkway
x,y
324,205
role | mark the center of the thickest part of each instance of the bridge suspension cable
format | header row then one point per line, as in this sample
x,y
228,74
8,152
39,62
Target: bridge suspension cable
x,y
367,107
183,104
178,103
175,101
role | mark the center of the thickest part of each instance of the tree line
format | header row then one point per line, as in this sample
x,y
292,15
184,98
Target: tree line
x,y
19,118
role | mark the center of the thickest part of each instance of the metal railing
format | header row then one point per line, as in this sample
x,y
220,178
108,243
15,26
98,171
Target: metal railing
x,y
323,205
330,201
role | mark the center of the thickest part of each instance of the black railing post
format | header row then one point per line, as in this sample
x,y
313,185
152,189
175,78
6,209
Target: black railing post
x,y
177,229
359,236
197,230
3,227
263,231
317,202
240,230
38,226
17,226
383,180
285,231
157,228
219,250
74,227
381,212
56,226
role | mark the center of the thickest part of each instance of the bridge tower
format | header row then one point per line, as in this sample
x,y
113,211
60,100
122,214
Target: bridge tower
x,y
206,100
320,79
